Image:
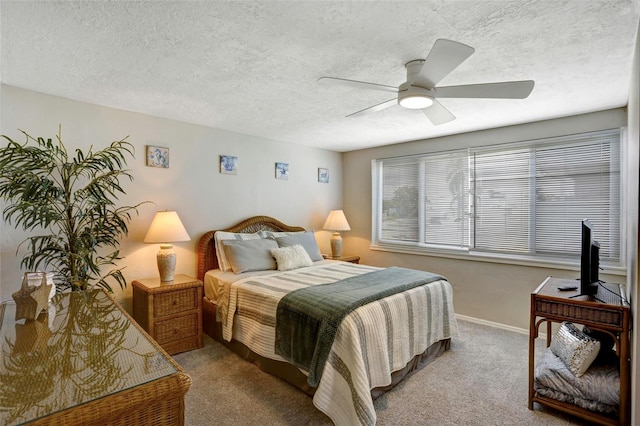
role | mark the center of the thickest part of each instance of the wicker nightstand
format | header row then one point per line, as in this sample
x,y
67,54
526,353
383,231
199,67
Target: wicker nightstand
x,y
170,312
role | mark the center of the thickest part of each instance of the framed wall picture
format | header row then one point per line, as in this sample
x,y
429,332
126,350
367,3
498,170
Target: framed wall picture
x,y
282,171
228,164
323,175
157,156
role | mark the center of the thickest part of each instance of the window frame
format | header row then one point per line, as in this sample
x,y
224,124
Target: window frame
x,y
468,253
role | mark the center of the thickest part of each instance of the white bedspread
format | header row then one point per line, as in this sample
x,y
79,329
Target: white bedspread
x,y
372,341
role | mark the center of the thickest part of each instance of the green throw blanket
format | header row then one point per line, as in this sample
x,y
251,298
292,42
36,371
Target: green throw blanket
x,y
307,319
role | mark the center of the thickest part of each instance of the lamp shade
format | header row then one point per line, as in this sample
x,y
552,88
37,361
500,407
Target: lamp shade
x,y
336,221
166,227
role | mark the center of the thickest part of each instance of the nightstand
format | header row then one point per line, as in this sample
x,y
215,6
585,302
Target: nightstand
x,y
171,312
352,259
607,312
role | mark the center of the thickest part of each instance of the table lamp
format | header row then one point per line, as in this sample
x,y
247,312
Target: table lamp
x,y
336,222
166,228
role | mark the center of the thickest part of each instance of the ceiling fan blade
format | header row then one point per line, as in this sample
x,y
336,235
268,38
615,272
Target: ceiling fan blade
x,y
375,108
504,90
438,114
445,56
358,84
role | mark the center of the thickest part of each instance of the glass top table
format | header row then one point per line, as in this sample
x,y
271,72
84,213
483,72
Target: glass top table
x,y
83,349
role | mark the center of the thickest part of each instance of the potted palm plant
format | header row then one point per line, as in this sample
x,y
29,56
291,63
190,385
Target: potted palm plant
x,y
68,203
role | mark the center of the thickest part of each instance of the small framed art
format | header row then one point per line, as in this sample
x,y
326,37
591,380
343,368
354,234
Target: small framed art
x,y
323,175
157,156
228,165
282,171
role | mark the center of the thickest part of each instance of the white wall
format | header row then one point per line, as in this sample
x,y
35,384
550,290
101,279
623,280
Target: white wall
x,y
489,291
192,185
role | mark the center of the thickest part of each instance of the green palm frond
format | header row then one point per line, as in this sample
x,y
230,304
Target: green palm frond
x,y
69,201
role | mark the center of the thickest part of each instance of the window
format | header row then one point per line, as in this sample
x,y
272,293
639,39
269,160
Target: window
x,y
523,199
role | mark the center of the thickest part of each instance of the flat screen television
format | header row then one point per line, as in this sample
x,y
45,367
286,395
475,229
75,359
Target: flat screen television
x,y
589,261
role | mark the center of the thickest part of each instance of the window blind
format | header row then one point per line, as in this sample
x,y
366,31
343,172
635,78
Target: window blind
x,y
400,188
525,198
502,195
446,200
576,181
425,199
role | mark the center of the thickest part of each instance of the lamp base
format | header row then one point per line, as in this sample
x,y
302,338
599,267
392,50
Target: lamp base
x,y
336,245
166,262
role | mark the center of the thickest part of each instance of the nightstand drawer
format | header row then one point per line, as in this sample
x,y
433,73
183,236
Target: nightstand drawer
x,y
570,311
177,328
170,312
174,302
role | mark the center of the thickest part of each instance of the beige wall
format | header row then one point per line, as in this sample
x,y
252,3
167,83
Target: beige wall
x,y
489,291
204,198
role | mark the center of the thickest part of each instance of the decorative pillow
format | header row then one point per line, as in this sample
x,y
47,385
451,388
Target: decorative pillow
x,y
250,255
292,257
607,352
275,234
220,236
576,350
306,239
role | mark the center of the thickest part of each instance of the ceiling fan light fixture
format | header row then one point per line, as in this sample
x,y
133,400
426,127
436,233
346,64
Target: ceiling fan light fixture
x,y
415,101
421,89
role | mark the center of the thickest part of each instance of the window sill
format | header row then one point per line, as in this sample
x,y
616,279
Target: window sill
x,y
606,269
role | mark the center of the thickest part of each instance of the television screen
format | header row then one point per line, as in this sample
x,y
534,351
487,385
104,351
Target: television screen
x,y
589,260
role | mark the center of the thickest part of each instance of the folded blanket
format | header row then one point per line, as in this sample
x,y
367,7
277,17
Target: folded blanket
x,y
307,319
597,390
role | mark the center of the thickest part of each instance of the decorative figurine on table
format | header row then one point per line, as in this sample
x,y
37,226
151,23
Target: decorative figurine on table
x,y
32,300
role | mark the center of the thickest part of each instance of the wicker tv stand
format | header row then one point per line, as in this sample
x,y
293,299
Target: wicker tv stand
x,y
607,312
86,362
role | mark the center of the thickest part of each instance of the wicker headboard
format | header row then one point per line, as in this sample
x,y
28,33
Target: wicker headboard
x,y
207,258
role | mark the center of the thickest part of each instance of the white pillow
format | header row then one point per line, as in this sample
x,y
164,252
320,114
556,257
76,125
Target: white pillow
x,y
574,348
291,257
220,236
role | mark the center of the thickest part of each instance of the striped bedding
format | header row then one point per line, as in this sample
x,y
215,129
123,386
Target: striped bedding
x,y
364,353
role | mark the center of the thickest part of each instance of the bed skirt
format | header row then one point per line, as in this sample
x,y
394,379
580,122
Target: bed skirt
x,y
292,374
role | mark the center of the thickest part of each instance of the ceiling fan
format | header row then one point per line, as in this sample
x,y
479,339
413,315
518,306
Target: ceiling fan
x,y
420,91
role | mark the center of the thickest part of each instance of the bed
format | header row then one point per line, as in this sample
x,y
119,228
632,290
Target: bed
x,y
362,359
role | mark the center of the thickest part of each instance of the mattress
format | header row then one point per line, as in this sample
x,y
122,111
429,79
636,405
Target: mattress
x,y
371,342
216,279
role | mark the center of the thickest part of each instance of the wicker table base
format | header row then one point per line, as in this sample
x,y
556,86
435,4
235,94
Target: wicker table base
x,y
92,365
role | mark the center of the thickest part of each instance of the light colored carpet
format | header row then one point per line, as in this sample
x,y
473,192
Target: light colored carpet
x,y
482,380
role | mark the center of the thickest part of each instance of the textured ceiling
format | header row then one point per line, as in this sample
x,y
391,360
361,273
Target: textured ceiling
x,y
252,66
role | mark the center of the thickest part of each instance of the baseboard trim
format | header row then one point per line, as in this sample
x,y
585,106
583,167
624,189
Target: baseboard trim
x,y
493,324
